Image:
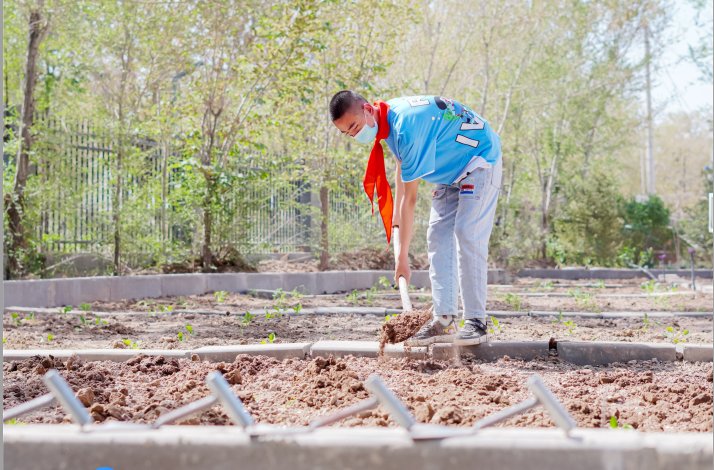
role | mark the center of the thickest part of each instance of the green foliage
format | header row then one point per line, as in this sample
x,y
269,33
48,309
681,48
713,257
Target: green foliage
x,y
570,325
615,424
130,343
50,337
15,318
247,318
496,326
270,339
514,301
85,307
676,334
646,227
588,229
220,296
384,283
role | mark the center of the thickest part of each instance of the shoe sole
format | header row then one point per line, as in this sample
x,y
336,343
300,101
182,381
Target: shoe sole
x,y
430,340
471,341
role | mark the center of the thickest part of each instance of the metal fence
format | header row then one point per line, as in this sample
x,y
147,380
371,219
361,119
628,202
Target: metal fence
x,y
75,179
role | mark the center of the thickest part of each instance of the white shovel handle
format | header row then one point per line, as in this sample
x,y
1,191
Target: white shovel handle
x,y
402,282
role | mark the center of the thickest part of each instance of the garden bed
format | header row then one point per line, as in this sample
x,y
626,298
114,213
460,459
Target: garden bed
x,y
646,395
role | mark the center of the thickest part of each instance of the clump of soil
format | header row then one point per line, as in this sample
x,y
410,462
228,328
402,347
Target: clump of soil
x,y
401,327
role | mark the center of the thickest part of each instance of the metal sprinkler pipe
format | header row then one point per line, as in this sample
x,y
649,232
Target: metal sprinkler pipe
x,y
28,406
546,398
338,415
388,400
186,410
232,404
64,394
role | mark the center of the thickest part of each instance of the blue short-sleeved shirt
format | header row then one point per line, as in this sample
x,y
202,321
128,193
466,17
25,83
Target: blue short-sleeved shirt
x,y
435,138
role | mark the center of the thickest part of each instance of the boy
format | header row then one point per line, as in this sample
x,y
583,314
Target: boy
x,y
443,142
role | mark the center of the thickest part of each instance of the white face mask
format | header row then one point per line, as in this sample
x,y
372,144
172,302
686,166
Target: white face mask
x,y
367,134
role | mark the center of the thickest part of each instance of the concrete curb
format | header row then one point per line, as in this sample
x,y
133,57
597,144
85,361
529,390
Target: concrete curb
x,y
697,352
602,353
492,351
35,447
74,291
364,349
229,353
576,352
116,355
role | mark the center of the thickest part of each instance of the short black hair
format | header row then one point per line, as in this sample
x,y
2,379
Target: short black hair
x,y
343,101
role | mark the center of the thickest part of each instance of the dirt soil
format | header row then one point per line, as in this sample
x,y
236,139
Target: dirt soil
x,y
399,328
647,396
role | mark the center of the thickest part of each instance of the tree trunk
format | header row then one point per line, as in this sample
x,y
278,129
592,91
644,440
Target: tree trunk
x,y
16,202
206,255
116,207
324,233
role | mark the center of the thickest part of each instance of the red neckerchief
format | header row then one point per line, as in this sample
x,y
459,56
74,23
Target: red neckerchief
x,y
375,176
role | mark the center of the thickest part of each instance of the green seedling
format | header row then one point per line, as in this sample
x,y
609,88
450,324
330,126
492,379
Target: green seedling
x,y
570,325
647,322
65,309
462,322
514,301
280,299
14,421
270,339
370,295
180,335
4,340
247,318
353,297
389,317
15,318
614,424
50,337
166,308
85,307
130,344
189,329
495,327
676,335
649,287
584,300
296,295
100,321
30,316
220,296
600,284
559,318
184,334
83,320
297,308
384,283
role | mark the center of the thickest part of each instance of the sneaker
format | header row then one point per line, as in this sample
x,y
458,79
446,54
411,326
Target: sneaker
x,y
434,332
473,332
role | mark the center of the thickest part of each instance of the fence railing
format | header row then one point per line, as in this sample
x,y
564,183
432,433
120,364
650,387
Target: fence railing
x,y
75,174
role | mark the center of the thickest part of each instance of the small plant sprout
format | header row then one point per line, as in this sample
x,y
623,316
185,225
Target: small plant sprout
x,y
296,295
185,333
570,325
220,296
4,340
384,283
130,344
297,308
353,297
189,329
614,424
600,284
270,339
514,301
247,318
649,287
389,317
15,318
180,336
462,322
647,322
85,307
559,318
65,309
676,335
495,327
50,337
83,320
30,316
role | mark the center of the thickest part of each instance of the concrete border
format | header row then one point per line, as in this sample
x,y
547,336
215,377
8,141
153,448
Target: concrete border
x,y
602,353
37,447
576,352
74,291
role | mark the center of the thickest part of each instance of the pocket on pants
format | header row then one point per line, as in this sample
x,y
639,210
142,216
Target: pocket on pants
x,y
473,185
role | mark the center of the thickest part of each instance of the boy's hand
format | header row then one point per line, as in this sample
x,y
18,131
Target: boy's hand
x,y
402,269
